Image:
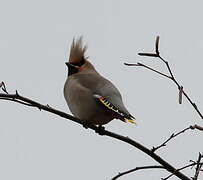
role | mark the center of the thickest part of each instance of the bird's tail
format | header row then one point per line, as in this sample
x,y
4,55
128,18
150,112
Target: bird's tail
x,y
130,119
77,51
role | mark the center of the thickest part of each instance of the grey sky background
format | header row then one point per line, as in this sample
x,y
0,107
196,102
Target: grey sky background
x,y
35,37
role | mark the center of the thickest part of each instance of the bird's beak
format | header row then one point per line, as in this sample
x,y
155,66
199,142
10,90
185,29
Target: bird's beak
x,y
68,64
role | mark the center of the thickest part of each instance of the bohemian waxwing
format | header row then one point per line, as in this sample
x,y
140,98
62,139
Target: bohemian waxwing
x,y
91,97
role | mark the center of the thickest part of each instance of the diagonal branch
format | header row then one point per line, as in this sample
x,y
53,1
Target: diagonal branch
x,y
184,167
15,100
136,169
147,67
198,167
171,76
173,136
99,130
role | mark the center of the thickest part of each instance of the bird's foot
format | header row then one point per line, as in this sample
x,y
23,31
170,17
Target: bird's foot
x,y
100,130
85,124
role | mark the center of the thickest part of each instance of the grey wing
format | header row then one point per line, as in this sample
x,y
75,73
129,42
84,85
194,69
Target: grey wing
x,y
103,87
112,94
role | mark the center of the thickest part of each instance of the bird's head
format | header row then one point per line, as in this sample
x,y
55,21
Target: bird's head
x,y
77,60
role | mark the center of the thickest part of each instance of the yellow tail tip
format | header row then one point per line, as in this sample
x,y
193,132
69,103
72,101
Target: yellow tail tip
x,y
130,120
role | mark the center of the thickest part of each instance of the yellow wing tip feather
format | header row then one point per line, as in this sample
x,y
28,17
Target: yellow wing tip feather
x,y
108,105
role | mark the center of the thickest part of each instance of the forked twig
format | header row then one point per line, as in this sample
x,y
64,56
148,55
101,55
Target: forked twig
x,y
177,134
3,87
170,76
198,167
171,137
181,93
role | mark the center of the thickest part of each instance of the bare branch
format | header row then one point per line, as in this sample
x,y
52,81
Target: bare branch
x,y
171,137
3,87
157,45
148,54
198,167
179,86
14,100
197,127
136,169
157,54
168,67
99,130
180,95
145,66
184,167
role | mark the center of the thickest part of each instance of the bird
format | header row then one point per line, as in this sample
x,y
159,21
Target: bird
x,y
91,98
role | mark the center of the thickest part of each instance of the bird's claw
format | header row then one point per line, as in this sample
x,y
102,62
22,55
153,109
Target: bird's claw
x,y
100,130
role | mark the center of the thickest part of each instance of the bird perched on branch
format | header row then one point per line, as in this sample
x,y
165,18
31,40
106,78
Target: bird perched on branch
x,y
91,97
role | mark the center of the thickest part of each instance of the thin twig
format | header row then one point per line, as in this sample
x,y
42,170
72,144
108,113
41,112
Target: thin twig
x,y
179,86
136,169
100,131
3,87
197,127
157,54
171,137
148,54
187,166
198,167
180,95
145,66
157,45
174,135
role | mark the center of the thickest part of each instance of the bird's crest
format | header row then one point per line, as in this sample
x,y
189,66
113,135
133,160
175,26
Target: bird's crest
x,y
77,51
